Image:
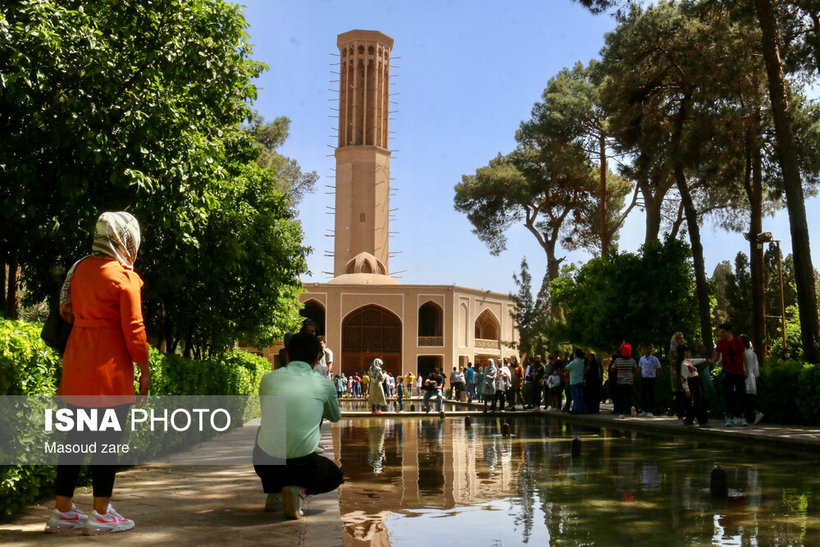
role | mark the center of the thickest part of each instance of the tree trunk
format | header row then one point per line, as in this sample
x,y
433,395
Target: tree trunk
x,y
787,157
756,252
3,282
652,207
13,290
605,236
701,284
553,271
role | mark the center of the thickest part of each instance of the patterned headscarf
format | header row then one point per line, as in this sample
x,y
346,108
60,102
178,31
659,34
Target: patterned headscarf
x,y
116,235
375,369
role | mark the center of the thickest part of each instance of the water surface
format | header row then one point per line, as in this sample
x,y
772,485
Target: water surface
x,y
428,481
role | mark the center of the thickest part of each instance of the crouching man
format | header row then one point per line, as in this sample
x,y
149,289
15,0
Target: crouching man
x,y
305,398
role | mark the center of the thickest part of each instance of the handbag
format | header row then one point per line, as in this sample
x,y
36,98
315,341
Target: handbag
x,y
56,329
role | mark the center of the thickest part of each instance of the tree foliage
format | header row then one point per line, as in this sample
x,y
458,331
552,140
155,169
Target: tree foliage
x,y
138,106
642,298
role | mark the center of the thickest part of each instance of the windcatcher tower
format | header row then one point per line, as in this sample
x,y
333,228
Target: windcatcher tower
x,y
362,158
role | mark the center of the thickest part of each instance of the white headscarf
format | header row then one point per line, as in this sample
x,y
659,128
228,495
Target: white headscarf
x,y
375,370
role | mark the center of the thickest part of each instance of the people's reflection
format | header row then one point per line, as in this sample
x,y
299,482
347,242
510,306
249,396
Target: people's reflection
x,y
650,477
375,446
431,457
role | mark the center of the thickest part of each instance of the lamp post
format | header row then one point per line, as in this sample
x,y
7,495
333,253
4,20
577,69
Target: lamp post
x,y
766,237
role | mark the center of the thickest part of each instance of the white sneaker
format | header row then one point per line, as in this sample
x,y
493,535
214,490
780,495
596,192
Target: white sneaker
x,y
274,503
758,417
735,421
620,415
649,415
109,523
642,415
292,499
62,522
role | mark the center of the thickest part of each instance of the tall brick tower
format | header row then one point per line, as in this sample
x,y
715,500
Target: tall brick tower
x,y
362,156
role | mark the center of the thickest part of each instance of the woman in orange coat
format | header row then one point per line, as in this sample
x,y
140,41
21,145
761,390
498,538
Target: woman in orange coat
x,y
101,297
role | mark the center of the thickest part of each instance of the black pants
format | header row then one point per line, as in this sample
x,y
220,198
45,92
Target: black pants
x,y
315,473
623,398
696,406
495,398
648,394
102,476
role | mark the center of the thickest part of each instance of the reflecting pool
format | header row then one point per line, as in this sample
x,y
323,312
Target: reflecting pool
x,y
431,481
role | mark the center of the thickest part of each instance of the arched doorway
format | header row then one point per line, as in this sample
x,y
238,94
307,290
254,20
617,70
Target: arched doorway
x,y
314,310
370,332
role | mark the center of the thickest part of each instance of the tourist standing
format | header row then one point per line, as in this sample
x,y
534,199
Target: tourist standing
x,y
625,369
409,380
325,364
536,376
101,297
730,352
554,390
434,387
400,394
357,384
419,381
375,394
691,387
501,385
479,382
469,377
308,399
490,375
575,370
592,384
752,414
458,383
518,383
649,365
365,385
341,384
674,378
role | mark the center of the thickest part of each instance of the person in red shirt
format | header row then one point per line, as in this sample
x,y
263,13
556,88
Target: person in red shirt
x,y
731,353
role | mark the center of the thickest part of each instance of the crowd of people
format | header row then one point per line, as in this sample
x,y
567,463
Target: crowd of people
x,y
580,382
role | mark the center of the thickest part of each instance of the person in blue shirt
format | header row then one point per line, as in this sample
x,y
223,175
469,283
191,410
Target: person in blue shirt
x,y
575,368
469,375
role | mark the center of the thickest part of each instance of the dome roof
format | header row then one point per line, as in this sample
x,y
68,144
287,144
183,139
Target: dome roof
x,y
364,269
365,263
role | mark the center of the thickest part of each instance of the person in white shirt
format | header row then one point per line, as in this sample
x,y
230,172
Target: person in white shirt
x,y
649,365
691,386
752,414
325,364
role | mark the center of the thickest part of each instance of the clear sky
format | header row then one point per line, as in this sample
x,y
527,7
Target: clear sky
x,y
468,74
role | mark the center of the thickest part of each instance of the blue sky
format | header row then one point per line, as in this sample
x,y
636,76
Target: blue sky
x,y
468,74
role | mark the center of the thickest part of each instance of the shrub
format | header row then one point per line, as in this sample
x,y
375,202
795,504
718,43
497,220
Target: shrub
x,y
29,367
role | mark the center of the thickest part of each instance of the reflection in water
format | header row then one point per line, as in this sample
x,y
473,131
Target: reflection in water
x,y
412,479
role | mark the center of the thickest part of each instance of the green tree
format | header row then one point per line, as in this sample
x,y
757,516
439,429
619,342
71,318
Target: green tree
x,y
138,106
571,110
544,187
530,314
287,172
803,46
642,298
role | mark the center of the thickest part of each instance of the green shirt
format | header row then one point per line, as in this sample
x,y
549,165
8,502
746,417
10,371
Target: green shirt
x,y
576,371
304,397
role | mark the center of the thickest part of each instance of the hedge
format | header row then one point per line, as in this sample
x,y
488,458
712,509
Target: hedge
x,y
29,367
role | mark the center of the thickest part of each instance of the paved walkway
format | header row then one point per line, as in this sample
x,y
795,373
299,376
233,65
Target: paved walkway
x,y
189,504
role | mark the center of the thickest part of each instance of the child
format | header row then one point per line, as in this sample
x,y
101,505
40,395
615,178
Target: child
x,y
554,385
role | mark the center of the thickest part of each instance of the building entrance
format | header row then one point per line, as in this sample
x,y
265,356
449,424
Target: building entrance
x,y
368,333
